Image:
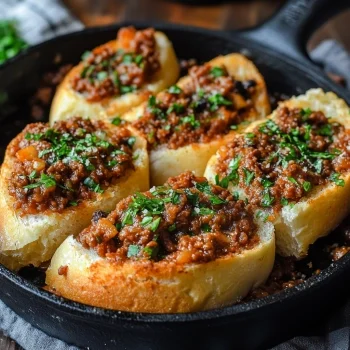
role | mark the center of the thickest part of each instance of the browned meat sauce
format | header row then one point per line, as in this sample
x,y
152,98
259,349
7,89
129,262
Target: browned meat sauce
x,y
55,168
282,160
210,105
186,220
109,72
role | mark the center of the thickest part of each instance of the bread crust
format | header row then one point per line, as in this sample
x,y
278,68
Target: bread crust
x,y
322,210
165,162
33,239
68,102
160,287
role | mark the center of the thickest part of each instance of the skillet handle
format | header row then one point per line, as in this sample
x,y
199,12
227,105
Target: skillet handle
x,y
289,30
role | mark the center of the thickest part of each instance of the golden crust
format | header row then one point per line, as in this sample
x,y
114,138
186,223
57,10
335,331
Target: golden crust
x,y
324,207
67,102
167,162
160,287
33,239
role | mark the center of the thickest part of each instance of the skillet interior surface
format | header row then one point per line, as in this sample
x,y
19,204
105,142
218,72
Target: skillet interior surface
x,y
220,328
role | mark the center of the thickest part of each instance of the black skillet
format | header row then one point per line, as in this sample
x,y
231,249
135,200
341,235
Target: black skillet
x,y
278,49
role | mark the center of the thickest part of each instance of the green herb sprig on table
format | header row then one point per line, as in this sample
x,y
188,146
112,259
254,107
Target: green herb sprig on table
x,y
10,41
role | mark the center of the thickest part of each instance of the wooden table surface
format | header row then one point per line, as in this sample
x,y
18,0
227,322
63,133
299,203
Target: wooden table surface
x,y
226,15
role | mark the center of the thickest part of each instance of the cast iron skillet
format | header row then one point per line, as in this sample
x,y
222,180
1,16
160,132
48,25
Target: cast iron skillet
x,y
278,49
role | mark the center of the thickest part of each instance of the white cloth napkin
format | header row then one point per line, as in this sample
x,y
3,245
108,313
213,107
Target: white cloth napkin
x,y
39,20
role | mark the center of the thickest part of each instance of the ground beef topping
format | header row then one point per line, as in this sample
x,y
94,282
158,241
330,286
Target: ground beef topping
x,y
283,159
55,168
209,105
186,220
109,72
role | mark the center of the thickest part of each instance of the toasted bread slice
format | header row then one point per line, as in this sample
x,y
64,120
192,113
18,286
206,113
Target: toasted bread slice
x,y
166,161
322,207
32,237
191,278
68,102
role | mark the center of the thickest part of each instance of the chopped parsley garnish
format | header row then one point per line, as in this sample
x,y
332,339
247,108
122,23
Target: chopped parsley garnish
x,y
131,141
284,201
191,120
116,121
293,181
266,183
172,228
32,175
217,72
92,185
203,211
133,250
307,186
335,177
152,252
267,199
261,215
175,107
85,55
218,100
206,228
305,113
45,180
175,90
249,176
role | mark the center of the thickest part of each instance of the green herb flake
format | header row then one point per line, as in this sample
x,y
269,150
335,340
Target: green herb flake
x,y
45,180
175,90
191,120
131,141
116,121
335,177
305,113
154,225
218,100
249,176
102,76
267,200
133,250
92,185
284,201
217,72
32,175
266,183
138,59
307,186
172,228
293,181
206,228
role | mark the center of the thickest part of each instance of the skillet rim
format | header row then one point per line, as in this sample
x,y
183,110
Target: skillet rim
x,y
101,314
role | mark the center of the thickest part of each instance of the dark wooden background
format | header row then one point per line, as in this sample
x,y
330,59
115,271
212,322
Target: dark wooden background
x,y
223,15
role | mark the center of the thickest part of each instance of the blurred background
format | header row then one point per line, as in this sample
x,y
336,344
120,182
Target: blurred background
x,y
210,14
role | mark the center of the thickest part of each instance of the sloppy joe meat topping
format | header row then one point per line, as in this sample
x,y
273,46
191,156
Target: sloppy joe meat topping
x,y
109,72
55,168
283,159
186,220
210,105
